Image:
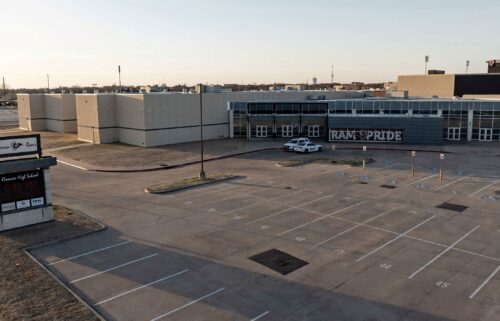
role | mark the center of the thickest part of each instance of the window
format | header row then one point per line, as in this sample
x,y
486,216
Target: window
x,y
261,131
454,133
287,131
313,131
485,134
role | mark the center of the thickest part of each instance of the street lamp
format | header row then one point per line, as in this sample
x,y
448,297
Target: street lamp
x,y
426,62
202,169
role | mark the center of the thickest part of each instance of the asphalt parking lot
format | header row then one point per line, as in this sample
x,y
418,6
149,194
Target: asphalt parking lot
x,y
376,244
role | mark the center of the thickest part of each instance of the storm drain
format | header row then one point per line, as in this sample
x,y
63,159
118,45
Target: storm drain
x,y
363,183
278,261
388,186
453,207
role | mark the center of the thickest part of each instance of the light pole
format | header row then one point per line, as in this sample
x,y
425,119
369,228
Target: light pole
x,y
413,154
426,62
467,64
202,169
441,156
48,84
119,78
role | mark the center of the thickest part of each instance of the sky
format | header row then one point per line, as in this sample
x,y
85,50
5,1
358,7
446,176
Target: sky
x,y
235,41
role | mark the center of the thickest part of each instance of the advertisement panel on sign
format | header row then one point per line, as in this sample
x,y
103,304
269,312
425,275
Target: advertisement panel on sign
x,y
20,145
367,135
21,190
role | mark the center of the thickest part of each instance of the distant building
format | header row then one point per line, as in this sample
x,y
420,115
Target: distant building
x,y
447,86
493,66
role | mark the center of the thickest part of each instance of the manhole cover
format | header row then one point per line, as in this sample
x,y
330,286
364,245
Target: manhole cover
x,y
278,261
388,186
363,183
453,207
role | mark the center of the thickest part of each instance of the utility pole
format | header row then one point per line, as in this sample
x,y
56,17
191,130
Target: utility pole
x,y
467,64
202,169
426,62
3,89
332,75
48,84
119,79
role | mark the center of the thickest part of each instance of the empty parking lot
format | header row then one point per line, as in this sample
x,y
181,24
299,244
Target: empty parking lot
x,y
377,243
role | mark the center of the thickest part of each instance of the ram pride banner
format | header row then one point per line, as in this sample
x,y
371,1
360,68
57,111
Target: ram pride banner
x,y
367,135
20,145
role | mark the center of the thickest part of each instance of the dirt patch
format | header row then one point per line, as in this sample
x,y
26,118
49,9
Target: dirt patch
x,y
121,155
324,160
27,292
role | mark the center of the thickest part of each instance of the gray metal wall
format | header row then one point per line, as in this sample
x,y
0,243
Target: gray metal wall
x,y
417,130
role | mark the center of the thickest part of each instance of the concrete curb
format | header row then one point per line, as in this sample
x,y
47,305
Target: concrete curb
x,y
74,292
194,186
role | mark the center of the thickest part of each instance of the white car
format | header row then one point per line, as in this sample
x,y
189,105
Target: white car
x,y
294,142
308,148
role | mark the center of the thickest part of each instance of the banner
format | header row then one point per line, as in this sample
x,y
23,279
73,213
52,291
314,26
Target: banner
x,y
20,145
367,135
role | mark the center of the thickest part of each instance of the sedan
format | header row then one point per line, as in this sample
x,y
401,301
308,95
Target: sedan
x,y
308,147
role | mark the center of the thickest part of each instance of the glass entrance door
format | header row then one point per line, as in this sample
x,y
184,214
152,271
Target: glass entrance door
x,y
485,134
261,131
454,133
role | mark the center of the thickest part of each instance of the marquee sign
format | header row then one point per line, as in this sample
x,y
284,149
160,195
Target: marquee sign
x,y
21,190
367,135
20,145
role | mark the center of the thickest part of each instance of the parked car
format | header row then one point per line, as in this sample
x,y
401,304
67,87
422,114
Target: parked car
x,y
292,143
308,148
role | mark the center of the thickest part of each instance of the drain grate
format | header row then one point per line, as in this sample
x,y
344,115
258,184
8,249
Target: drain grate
x,y
278,261
363,183
453,207
388,186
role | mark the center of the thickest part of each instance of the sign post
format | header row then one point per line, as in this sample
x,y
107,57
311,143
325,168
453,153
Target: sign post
x,y
364,157
413,155
441,156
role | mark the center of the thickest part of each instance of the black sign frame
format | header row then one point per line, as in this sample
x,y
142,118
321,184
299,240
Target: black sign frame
x,y
38,142
43,192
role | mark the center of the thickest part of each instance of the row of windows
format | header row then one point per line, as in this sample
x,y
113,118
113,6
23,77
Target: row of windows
x,y
286,108
288,131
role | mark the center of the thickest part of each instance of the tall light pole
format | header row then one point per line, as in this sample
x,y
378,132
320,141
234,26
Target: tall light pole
x,y
3,89
467,64
119,78
48,84
426,62
202,169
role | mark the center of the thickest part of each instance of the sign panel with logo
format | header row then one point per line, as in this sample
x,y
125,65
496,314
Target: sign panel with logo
x,y
367,135
21,190
20,145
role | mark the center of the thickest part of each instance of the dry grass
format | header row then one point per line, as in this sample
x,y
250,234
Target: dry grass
x,y
27,292
185,183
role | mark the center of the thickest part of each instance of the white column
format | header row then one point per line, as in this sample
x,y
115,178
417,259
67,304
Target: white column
x,y
231,123
469,125
48,186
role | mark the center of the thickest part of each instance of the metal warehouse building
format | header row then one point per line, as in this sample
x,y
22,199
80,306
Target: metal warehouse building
x,y
422,121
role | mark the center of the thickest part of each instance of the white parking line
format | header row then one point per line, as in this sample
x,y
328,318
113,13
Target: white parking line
x,y
453,182
260,316
354,227
376,170
188,304
321,218
421,180
482,189
394,239
288,209
114,268
386,177
264,200
442,253
484,283
91,252
141,287
75,166
406,236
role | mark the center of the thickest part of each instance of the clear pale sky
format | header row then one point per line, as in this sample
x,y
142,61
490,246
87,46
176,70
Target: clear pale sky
x,y
234,41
